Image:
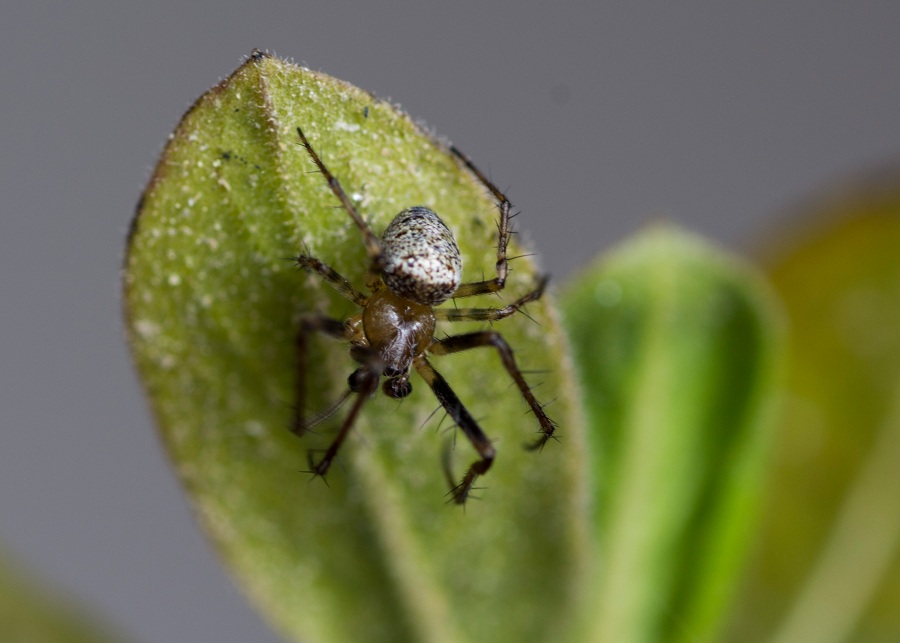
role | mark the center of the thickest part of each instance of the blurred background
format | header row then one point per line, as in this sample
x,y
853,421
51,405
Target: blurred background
x,y
596,117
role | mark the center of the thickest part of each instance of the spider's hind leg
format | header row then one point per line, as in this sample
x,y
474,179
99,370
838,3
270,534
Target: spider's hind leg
x,y
373,243
334,279
504,230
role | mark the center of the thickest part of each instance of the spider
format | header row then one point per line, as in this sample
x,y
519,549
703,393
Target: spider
x,y
415,266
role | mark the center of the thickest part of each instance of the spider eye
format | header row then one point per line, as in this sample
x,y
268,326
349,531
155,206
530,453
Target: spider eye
x,y
397,388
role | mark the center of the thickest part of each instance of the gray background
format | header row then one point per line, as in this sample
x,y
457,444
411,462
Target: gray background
x,y
597,116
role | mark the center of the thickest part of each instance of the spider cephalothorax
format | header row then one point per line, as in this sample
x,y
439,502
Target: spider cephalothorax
x,y
415,266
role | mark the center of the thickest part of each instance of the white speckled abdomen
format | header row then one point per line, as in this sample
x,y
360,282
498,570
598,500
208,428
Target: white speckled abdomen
x,y
421,258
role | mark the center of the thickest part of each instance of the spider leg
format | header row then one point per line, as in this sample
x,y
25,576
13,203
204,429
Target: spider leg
x,y
334,279
466,422
365,383
373,244
490,314
503,232
313,323
457,343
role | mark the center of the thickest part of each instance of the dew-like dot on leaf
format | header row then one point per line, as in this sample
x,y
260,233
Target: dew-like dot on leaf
x,y
174,279
254,428
211,242
146,328
346,127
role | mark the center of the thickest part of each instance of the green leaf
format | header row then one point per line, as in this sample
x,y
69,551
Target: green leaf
x,y
828,568
677,347
213,303
32,613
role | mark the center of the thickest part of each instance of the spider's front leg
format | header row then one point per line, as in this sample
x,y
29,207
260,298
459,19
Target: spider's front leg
x,y
308,325
457,343
466,422
363,382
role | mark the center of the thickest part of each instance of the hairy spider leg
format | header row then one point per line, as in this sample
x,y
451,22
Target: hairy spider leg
x,y
334,279
490,314
308,325
363,381
373,243
457,343
503,232
365,385
465,421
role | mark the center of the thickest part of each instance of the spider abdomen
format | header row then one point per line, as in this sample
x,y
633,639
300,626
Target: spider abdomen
x,y
421,260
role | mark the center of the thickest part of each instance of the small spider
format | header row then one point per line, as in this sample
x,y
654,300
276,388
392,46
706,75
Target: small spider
x,y
415,266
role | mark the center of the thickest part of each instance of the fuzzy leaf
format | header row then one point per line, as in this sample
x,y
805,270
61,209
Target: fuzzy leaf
x,y
828,568
676,344
30,612
213,302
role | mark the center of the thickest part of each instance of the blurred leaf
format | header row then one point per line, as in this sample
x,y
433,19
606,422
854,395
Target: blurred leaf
x,y
213,302
827,568
677,345
32,613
